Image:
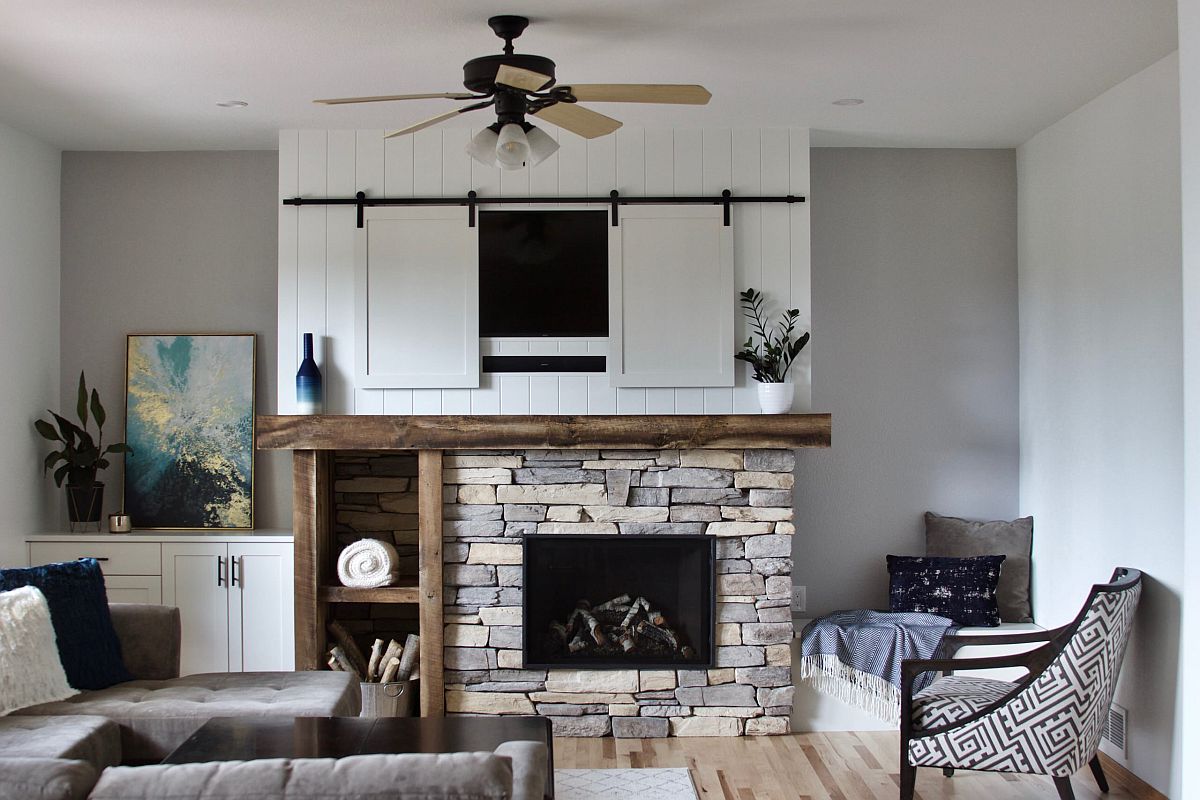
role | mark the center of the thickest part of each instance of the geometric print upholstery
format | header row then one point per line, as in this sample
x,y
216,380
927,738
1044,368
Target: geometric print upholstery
x,y
1051,726
954,698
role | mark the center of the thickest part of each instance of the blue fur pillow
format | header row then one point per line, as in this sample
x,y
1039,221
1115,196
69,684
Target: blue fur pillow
x,y
87,642
962,589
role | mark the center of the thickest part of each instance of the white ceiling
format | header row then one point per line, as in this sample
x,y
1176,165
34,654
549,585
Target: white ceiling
x,y
147,74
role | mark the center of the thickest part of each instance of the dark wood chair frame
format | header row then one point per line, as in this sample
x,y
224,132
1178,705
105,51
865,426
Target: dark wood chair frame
x,y
1035,661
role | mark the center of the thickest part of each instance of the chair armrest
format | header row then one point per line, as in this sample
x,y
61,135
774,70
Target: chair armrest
x,y
951,642
150,639
46,778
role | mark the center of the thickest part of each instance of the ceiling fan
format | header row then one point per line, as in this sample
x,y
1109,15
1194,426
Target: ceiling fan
x,y
521,84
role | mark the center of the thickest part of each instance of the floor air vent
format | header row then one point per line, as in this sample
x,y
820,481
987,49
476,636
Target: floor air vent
x,y
1113,741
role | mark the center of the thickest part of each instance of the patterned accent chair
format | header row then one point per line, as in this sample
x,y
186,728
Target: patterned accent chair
x,y
1047,723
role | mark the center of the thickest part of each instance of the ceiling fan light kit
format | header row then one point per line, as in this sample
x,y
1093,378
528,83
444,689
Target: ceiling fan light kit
x,y
516,85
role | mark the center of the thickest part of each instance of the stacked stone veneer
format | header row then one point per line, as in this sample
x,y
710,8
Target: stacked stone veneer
x,y
744,498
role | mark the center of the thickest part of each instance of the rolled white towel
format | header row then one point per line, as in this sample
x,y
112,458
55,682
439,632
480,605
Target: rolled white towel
x,y
368,564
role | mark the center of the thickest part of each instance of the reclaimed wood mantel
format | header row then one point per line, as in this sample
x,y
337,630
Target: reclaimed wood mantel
x,y
616,432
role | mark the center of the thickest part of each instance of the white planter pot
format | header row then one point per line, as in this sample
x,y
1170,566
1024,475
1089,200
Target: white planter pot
x,y
776,398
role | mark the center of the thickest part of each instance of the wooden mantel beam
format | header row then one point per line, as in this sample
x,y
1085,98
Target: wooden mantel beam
x,y
633,432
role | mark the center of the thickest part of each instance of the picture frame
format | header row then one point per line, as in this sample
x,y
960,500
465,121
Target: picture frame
x,y
190,419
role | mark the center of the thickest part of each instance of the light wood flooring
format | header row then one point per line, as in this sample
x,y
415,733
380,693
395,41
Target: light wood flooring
x,y
821,766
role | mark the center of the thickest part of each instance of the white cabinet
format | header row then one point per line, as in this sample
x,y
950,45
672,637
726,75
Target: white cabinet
x,y
416,299
261,612
670,297
234,601
234,593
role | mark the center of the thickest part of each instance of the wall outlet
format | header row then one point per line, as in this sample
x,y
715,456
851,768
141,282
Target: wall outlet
x,y
799,599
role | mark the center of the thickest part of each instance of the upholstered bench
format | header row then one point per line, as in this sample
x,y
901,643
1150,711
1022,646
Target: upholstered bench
x,y
159,710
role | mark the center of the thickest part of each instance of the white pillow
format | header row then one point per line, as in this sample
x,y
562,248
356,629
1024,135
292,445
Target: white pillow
x,y
30,670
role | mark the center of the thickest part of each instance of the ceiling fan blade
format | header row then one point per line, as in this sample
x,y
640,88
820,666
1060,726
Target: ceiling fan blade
x,y
577,119
682,93
428,123
524,79
337,101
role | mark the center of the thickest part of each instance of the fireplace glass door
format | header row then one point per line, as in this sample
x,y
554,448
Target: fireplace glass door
x,y
618,602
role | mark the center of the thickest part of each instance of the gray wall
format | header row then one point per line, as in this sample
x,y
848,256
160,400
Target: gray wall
x,y
29,181
914,296
171,243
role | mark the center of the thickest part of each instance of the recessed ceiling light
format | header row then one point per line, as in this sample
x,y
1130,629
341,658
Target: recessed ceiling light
x,y
849,101
233,104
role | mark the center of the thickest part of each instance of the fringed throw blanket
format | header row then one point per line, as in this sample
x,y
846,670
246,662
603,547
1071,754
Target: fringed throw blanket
x,y
855,656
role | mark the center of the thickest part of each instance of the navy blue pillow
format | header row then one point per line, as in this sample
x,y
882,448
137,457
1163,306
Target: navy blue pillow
x,y
87,642
962,589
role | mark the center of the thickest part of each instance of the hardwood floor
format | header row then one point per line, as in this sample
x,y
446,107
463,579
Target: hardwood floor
x,y
821,766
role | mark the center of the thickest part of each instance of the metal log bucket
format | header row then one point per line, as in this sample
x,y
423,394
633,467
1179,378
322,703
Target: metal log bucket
x,y
394,699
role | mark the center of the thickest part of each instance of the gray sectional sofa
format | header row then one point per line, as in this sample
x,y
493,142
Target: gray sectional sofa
x,y
73,750
158,710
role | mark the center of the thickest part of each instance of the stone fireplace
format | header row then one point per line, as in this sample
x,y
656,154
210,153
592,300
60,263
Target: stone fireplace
x,y
615,514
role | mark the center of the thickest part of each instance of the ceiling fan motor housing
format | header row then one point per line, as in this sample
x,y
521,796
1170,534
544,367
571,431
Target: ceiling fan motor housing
x,y
479,74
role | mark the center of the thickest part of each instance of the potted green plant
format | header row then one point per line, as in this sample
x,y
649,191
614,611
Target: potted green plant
x,y
774,353
82,457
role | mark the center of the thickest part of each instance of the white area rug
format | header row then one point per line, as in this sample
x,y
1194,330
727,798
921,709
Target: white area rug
x,y
623,784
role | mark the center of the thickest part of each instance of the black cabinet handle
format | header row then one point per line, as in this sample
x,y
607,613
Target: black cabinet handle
x,y
234,563
220,571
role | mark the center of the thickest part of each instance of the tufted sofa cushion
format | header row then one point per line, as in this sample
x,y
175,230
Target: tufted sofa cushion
x,y
95,740
156,716
954,698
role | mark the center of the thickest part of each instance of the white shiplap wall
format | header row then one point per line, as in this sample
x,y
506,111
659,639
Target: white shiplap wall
x,y
316,249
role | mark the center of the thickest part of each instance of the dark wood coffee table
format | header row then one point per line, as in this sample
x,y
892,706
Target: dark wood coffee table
x,y
246,738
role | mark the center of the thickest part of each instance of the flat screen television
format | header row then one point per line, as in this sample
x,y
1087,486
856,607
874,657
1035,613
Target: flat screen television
x,y
543,273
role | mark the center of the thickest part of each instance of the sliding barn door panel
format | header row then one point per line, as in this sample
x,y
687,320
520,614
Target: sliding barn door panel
x,y
671,297
417,299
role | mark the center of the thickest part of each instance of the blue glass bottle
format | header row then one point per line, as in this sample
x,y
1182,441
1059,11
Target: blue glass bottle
x,y
308,382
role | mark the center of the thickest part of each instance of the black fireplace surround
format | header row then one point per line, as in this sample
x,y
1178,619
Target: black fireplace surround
x,y
569,579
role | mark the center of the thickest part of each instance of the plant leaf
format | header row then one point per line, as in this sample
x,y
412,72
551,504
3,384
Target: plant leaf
x,y
81,409
119,447
98,410
70,431
51,460
102,463
47,430
61,473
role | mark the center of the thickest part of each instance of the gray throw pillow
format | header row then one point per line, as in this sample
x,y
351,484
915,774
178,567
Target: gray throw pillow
x,y
960,538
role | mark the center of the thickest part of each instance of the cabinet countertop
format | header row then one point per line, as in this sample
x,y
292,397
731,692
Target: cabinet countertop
x,y
164,536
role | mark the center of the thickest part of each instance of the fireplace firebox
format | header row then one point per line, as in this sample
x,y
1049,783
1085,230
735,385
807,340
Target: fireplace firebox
x,y
618,602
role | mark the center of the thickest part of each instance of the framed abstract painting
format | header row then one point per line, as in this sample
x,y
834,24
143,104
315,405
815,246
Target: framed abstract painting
x,y
189,417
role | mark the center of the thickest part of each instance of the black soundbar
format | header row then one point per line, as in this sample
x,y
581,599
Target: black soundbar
x,y
544,364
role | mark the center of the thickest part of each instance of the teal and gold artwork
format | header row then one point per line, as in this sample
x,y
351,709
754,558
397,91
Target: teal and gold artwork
x,y
189,417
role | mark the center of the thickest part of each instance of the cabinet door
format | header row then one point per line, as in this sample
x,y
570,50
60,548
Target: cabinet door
x,y
134,589
416,299
670,297
261,629
196,580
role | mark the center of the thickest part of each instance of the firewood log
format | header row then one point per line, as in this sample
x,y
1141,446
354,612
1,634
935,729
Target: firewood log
x,y
611,605
408,662
393,650
660,635
373,664
626,640
558,631
637,605
389,670
594,628
343,639
578,643
344,662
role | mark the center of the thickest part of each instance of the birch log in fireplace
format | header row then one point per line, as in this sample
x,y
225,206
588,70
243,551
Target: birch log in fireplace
x,y
702,647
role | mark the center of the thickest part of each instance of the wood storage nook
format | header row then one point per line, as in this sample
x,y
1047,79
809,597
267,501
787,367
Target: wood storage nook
x,y
321,445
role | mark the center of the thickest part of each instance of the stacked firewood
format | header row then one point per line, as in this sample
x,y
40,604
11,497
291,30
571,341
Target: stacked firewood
x,y
395,662
622,626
